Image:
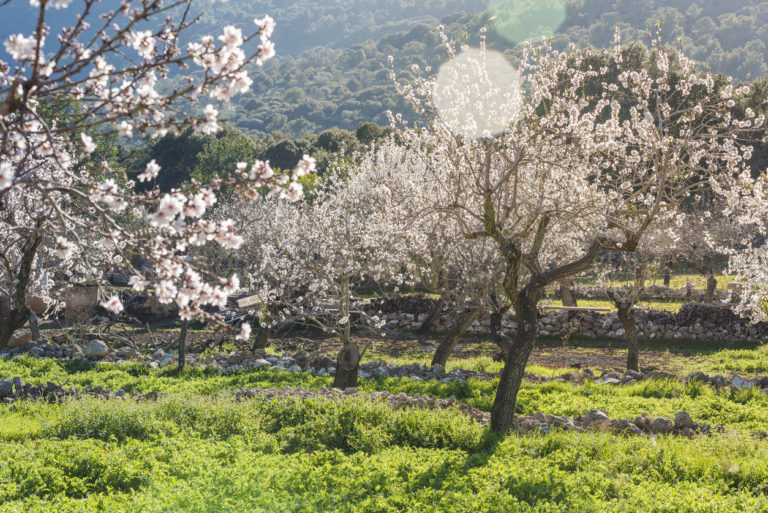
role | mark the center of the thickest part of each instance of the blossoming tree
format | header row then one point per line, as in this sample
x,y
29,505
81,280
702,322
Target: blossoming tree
x,y
581,163
112,65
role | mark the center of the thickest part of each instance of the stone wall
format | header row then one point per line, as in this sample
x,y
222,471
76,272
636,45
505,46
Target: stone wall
x,y
695,321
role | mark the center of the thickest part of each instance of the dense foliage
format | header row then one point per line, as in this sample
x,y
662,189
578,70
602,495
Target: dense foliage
x,y
341,80
189,452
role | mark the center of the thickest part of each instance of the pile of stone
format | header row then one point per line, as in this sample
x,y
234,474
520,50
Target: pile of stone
x,y
400,401
598,420
14,389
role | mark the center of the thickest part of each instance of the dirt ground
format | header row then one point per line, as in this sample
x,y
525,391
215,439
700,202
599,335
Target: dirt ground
x,y
555,354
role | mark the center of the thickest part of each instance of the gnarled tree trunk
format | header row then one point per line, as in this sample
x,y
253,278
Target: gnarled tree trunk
x,y
627,318
432,316
709,296
567,295
19,313
348,359
459,326
517,354
183,344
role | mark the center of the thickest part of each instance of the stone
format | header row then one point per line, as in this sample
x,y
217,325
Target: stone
x,y
595,417
611,381
6,388
698,376
128,352
96,349
741,383
661,426
683,420
294,368
20,338
573,376
167,359
624,426
258,364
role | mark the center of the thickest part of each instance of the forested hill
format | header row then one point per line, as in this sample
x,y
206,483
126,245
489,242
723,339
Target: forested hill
x,y
331,64
340,81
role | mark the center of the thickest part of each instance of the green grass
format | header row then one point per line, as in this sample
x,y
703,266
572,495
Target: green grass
x,y
670,306
198,450
200,455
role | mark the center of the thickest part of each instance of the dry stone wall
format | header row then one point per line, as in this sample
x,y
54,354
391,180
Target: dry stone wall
x,y
695,321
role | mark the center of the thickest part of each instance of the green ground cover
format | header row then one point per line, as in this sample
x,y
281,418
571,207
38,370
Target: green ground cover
x,y
198,450
204,455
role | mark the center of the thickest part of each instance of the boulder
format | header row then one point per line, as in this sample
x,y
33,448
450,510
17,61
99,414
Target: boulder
x,y
96,349
741,383
661,426
624,426
167,359
683,420
595,418
6,388
20,338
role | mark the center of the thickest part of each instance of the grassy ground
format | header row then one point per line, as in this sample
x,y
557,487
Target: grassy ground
x,y
670,306
197,450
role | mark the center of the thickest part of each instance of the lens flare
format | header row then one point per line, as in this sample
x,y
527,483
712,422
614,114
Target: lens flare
x,y
477,93
527,20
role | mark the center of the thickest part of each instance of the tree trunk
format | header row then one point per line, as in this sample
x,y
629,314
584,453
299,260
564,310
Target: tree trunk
x,y
503,411
711,286
347,365
261,341
667,275
433,315
34,326
183,344
19,314
348,360
627,318
459,326
566,292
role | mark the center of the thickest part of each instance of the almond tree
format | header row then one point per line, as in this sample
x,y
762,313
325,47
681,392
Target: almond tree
x,y
707,237
572,173
109,67
304,259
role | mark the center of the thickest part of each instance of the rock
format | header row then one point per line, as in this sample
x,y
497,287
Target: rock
x,y
37,352
128,353
661,426
624,426
96,349
595,417
698,376
611,381
350,391
258,364
6,388
633,374
167,359
683,420
659,375
573,376
741,383
563,422
294,368
20,338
